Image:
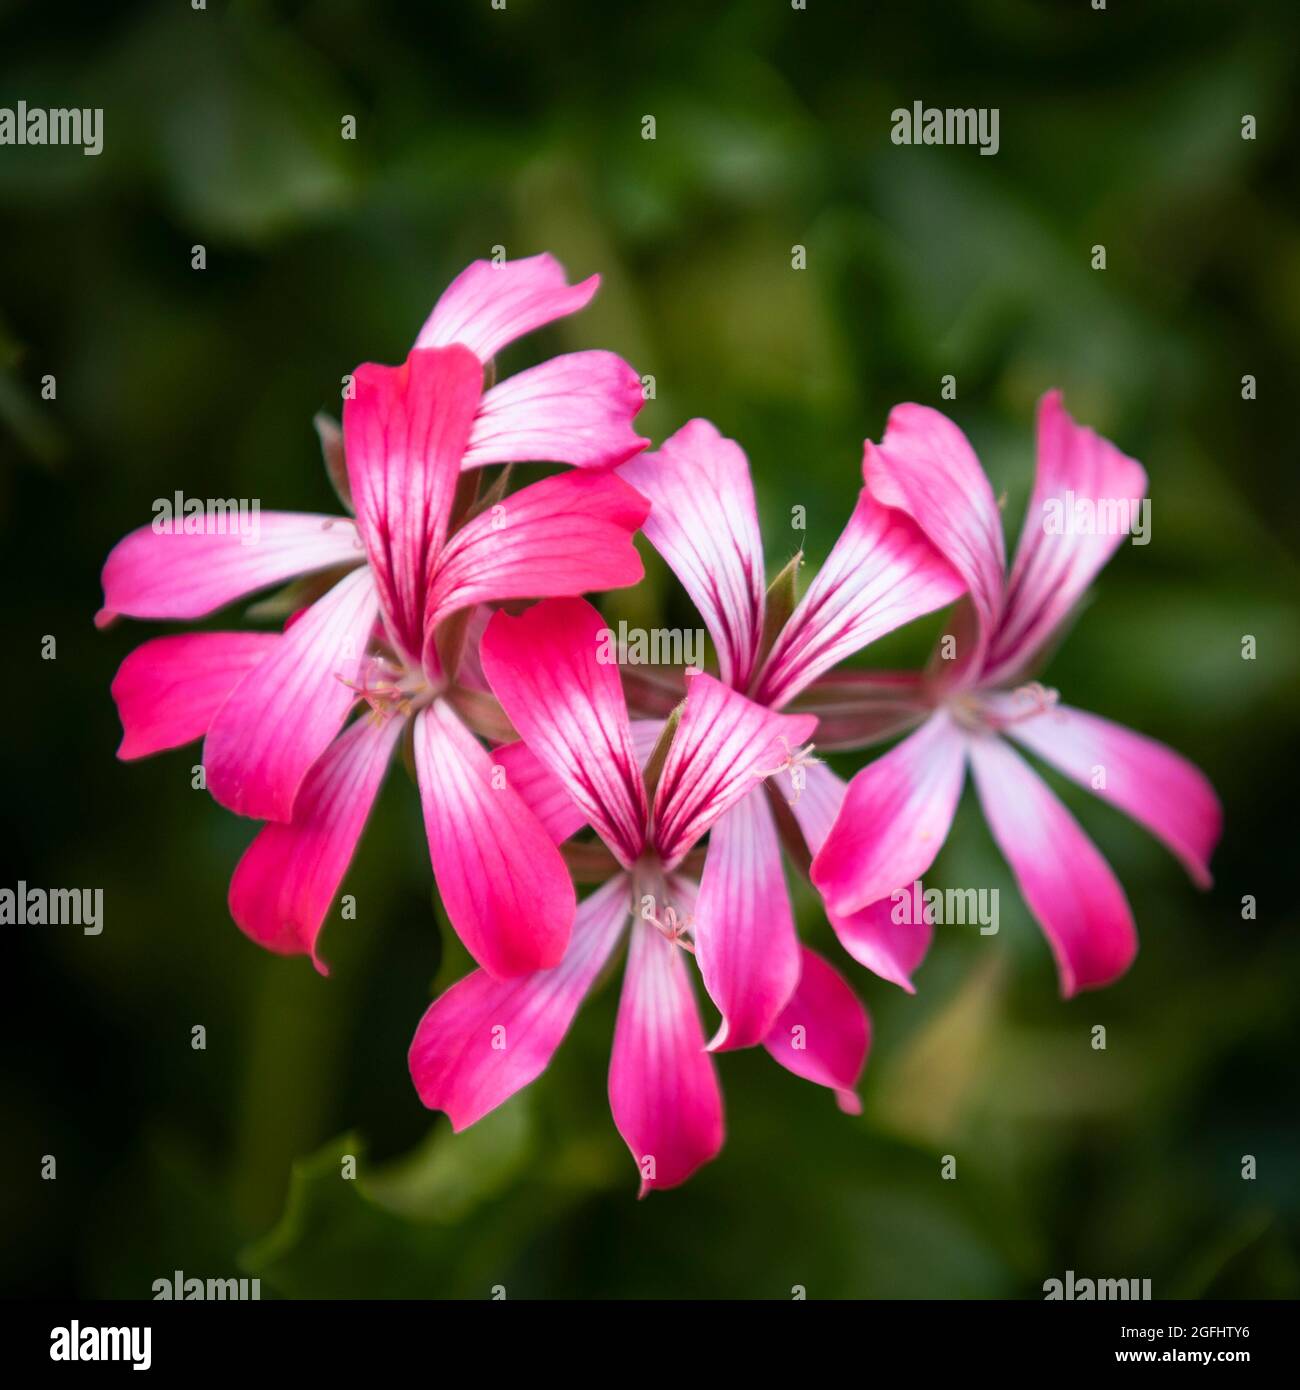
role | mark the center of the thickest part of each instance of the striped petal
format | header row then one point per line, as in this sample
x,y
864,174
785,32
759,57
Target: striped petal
x,y
704,523
180,575
881,574
491,303
724,745
524,547
285,713
925,467
168,690
405,431
575,409
663,1090
1069,887
1159,788
1086,496
485,1039
823,1034
745,942
894,818
871,935
567,704
289,876
501,879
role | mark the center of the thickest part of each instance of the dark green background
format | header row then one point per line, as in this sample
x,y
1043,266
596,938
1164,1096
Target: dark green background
x,y
523,128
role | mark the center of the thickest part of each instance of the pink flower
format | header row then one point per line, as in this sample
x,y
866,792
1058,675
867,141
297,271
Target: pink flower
x,y
881,574
897,812
485,1038
398,593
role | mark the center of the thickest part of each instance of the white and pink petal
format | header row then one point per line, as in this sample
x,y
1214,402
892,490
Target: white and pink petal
x,y
541,790
491,303
891,948
286,711
881,574
564,536
486,1038
288,878
577,409
1071,890
894,818
169,689
663,1090
925,467
405,430
824,1034
546,668
745,941
704,523
724,746
1085,501
501,879
1159,788
179,574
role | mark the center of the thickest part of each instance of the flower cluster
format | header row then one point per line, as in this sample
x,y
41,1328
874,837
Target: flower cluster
x,y
448,615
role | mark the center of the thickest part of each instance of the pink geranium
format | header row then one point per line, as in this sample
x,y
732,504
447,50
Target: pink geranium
x,y
881,573
484,1039
898,810
402,589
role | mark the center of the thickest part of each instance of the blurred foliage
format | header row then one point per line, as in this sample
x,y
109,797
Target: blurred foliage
x,y
478,127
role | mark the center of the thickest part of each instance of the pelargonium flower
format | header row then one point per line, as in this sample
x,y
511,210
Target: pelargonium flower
x,y
898,810
398,593
881,573
485,1038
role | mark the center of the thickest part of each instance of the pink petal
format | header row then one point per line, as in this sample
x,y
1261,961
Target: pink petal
x,y
724,746
546,796
1051,571
575,409
926,467
891,949
1156,786
824,1033
894,820
405,433
501,879
704,523
662,1086
175,575
168,690
289,876
285,713
745,940
485,1039
490,304
542,792
560,537
881,574
568,707
1068,886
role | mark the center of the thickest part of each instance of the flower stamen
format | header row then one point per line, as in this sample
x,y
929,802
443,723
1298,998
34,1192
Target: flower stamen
x,y
386,688
794,762
675,929
1035,697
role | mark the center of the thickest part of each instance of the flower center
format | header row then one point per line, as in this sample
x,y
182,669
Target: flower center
x,y
973,711
655,910
389,687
